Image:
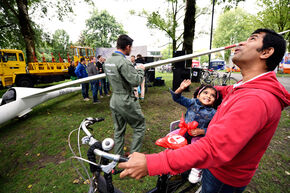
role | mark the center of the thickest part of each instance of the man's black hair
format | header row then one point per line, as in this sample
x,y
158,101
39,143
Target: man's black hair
x,y
82,59
123,41
276,41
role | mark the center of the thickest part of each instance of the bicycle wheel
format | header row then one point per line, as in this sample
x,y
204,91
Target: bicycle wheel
x,y
180,184
231,81
99,185
205,78
216,81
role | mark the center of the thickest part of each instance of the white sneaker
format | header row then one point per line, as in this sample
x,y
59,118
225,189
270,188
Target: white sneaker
x,y
194,176
86,99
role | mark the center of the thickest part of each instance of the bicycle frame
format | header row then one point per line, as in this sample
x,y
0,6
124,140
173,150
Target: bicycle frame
x,y
228,79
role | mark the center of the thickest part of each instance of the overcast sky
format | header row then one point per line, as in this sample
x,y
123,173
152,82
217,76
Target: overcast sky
x,y
134,25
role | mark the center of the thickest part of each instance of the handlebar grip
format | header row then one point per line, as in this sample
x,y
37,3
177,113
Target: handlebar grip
x,y
99,119
123,159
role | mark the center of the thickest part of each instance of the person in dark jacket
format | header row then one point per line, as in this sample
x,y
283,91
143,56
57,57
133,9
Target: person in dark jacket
x,y
71,71
141,87
81,72
92,70
102,84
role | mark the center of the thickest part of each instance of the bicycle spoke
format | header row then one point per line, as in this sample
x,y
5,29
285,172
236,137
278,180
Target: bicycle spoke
x,y
216,82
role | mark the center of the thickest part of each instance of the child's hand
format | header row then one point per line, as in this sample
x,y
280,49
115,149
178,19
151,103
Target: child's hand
x,y
185,84
196,132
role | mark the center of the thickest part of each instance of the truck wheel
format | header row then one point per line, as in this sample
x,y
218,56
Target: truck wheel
x,y
25,82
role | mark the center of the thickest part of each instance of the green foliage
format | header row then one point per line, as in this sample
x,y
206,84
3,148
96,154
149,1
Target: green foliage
x,y
12,37
229,4
168,22
102,30
167,52
275,15
10,33
233,26
60,42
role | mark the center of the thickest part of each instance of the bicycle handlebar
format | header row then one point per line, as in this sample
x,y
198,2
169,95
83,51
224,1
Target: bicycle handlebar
x,y
100,148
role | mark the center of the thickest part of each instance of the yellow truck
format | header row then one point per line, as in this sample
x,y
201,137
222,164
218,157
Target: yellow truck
x,y
15,71
82,52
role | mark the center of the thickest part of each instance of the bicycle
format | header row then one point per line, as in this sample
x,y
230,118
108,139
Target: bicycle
x,y
104,184
227,79
209,76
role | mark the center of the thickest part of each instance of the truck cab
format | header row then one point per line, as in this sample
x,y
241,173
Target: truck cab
x,y
12,62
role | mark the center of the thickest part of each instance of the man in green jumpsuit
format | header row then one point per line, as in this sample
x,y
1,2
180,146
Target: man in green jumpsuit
x,y
125,107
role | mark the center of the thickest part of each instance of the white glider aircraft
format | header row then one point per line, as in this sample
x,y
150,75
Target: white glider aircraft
x,y
18,101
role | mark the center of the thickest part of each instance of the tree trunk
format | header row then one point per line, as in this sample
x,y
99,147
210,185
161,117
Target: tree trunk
x,y
26,28
189,26
173,46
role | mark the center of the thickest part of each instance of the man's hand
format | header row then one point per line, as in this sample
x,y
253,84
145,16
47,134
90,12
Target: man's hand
x,y
136,167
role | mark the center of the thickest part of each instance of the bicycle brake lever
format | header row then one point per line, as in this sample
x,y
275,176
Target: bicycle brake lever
x,y
108,168
99,119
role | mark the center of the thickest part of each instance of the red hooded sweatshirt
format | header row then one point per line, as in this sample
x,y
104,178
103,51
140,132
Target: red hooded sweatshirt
x,y
237,137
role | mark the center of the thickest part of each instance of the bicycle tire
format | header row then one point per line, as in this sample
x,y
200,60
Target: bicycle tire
x,y
180,184
102,186
205,78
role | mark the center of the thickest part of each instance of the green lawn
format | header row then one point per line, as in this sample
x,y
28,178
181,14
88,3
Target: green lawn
x,y
34,155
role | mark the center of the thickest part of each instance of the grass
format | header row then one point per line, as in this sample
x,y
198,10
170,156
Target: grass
x,y
279,74
34,155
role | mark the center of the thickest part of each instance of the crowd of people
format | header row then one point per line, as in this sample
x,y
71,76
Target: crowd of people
x,y
86,68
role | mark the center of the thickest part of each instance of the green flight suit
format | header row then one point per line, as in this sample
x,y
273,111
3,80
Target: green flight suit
x,y
125,107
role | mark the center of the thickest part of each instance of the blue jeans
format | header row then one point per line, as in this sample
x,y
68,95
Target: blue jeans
x,y
103,85
95,88
85,90
211,184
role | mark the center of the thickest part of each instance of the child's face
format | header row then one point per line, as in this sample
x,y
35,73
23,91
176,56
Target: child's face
x,y
207,96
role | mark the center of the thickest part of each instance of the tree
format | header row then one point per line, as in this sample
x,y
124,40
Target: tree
x,y
228,4
17,15
233,26
275,15
60,42
168,23
102,29
189,26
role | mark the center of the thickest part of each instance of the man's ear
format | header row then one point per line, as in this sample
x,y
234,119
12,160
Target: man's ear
x,y
128,47
266,53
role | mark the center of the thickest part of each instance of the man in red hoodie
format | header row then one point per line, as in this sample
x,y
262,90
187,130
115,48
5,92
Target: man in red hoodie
x,y
240,131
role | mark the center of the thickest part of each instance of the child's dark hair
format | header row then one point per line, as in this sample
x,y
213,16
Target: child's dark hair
x,y
218,99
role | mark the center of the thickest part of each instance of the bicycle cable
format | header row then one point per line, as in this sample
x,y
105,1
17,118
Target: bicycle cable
x,y
80,161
